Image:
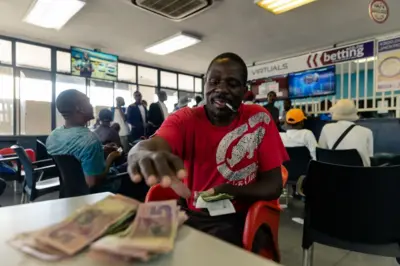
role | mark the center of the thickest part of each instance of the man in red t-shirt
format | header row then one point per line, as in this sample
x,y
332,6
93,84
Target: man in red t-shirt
x,y
222,147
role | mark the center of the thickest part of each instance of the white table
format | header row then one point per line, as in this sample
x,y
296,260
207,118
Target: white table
x,y
192,248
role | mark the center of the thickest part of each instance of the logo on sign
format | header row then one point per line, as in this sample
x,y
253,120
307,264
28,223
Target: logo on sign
x,y
270,68
379,11
343,54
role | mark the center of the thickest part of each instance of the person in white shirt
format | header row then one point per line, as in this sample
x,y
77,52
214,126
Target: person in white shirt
x,y
359,138
119,117
296,135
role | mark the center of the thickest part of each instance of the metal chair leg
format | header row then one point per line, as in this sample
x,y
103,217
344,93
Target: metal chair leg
x,y
308,256
23,198
311,255
287,195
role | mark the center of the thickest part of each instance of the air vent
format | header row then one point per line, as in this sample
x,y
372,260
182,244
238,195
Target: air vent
x,y
176,10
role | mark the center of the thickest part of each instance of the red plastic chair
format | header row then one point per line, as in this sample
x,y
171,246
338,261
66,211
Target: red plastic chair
x,y
260,213
7,151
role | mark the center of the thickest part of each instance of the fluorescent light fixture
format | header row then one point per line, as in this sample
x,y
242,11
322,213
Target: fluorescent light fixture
x,y
174,43
368,59
53,14
280,6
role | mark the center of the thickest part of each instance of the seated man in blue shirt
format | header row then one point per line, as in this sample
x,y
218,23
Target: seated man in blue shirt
x,y
77,140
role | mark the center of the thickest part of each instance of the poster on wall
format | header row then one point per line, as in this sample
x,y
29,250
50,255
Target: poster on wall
x,y
388,65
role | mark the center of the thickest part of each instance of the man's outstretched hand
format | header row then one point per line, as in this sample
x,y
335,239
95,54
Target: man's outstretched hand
x,y
158,167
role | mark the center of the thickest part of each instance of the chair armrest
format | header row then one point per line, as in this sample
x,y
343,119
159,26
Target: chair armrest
x,y
37,169
260,213
8,159
43,161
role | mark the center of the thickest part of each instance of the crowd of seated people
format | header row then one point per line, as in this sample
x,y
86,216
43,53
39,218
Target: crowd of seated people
x,y
344,112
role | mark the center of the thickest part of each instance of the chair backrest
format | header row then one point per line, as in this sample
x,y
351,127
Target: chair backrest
x,y
26,163
31,153
159,193
353,203
41,150
297,165
342,157
72,178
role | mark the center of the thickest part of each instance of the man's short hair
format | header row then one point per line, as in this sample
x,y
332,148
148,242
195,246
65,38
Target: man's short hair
x,y
67,102
105,115
235,58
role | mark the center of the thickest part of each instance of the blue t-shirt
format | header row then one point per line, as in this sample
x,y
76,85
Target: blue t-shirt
x,y
81,143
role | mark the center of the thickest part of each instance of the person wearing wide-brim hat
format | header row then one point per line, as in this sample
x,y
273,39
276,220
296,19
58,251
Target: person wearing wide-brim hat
x,y
355,136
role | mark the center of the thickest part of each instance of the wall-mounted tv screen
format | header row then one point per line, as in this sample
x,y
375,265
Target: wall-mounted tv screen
x,y
91,64
279,84
311,83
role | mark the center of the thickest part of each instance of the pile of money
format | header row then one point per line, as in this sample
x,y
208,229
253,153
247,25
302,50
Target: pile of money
x,y
108,216
215,197
152,233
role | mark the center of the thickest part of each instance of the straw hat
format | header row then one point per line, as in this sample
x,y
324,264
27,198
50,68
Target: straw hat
x,y
344,109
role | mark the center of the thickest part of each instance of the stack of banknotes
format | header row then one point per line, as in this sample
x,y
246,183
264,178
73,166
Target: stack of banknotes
x,y
115,228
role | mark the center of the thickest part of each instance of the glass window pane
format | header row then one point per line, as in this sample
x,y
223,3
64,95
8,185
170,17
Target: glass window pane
x,y
33,56
5,52
198,85
172,99
126,72
6,101
168,80
35,102
190,95
101,96
66,82
147,76
63,62
186,82
125,91
148,94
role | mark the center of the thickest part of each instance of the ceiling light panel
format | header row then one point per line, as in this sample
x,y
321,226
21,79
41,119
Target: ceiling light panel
x,y
280,6
172,44
53,14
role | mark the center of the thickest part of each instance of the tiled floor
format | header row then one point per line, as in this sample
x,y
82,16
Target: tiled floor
x,y
290,236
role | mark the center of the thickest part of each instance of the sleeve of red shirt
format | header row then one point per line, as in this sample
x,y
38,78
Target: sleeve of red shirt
x,y
271,151
173,130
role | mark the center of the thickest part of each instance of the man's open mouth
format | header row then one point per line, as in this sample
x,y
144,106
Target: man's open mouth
x,y
219,102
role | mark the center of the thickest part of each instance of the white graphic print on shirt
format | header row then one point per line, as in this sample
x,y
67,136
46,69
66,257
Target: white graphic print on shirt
x,y
246,147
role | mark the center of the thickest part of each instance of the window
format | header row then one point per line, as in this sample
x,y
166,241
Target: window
x,y
126,73
172,99
66,82
168,80
190,95
6,101
33,56
125,91
5,52
34,102
147,76
198,85
63,62
148,94
101,94
185,82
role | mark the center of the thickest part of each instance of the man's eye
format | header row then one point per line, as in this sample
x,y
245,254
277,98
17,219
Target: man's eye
x,y
213,82
233,83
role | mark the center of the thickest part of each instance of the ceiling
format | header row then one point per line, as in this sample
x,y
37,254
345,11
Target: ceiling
x,y
239,26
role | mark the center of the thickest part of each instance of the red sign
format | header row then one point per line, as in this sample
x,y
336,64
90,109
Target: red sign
x,y
379,11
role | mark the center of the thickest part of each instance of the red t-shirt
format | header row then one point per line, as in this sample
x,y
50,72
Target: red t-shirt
x,y
231,154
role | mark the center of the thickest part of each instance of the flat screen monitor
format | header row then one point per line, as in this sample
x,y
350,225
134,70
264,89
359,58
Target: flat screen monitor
x,y
279,84
312,83
91,64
